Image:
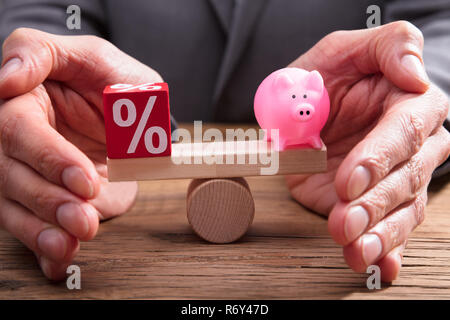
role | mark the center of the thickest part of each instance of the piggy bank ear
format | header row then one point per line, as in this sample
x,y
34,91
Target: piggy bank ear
x,y
283,81
314,82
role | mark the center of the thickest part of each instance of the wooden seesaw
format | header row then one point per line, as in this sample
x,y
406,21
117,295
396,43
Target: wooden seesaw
x,y
220,206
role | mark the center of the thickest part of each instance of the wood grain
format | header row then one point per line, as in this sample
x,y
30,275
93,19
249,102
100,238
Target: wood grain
x,y
220,210
219,160
152,253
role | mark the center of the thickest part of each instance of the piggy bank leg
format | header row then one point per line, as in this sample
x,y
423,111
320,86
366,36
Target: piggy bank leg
x,y
279,144
315,142
267,136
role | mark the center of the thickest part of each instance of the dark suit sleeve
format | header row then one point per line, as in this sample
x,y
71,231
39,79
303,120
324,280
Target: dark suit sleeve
x,y
432,17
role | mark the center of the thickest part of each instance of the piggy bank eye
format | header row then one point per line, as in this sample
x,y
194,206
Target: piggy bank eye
x,y
293,96
305,96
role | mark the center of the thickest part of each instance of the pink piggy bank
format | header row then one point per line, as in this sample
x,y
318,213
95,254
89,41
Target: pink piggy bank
x,y
295,102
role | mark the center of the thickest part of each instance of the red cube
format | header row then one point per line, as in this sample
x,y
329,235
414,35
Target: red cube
x,y
137,120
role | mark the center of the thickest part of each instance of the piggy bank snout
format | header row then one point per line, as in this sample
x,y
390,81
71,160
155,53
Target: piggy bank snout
x,y
303,112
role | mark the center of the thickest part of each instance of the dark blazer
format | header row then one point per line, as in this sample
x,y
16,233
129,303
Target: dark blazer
x,y
214,53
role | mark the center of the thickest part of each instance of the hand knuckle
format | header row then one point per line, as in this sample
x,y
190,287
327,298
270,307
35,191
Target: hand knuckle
x,y
379,162
42,201
393,231
106,55
328,45
408,30
376,202
21,32
9,133
46,161
439,102
18,34
43,101
419,209
442,110
26,37
337,35
5,168
95,39
102,46
413,127
416,175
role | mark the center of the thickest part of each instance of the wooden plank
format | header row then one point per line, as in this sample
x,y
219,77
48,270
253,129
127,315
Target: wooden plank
x,y
152,253
219,160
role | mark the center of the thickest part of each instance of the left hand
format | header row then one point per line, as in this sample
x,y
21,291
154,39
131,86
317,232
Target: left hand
x,y
384,138
53,177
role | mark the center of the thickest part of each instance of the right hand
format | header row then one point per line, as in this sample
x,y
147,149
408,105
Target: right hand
x,y
384,138
53,181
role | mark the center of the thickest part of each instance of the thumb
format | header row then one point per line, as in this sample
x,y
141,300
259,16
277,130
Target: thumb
x,y
84,62
394,49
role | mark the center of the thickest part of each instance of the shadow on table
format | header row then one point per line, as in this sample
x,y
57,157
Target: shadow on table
x,y
437,185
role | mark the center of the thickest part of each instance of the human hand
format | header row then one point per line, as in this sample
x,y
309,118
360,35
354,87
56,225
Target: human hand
x,y
384,138
53,180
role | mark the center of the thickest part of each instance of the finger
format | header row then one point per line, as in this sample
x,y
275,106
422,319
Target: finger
x,y
348,221
30,56
26,135
386,235
398,136
39,236
52,270
394,49
391,263
115,198
46,200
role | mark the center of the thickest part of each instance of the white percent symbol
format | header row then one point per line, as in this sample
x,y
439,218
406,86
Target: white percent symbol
x,y
122,87
131,118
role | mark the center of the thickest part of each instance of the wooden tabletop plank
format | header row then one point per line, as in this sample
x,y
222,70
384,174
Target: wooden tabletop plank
x,y
152,253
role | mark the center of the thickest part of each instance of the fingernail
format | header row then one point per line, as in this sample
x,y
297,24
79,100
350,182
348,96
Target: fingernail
x,y
11,66
72,217
372,247
52,244
45,267
76,181
413,64
356,222
91,214
400,260
358,182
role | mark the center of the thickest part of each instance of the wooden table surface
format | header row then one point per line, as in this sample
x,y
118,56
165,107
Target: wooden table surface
x,y
152,253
